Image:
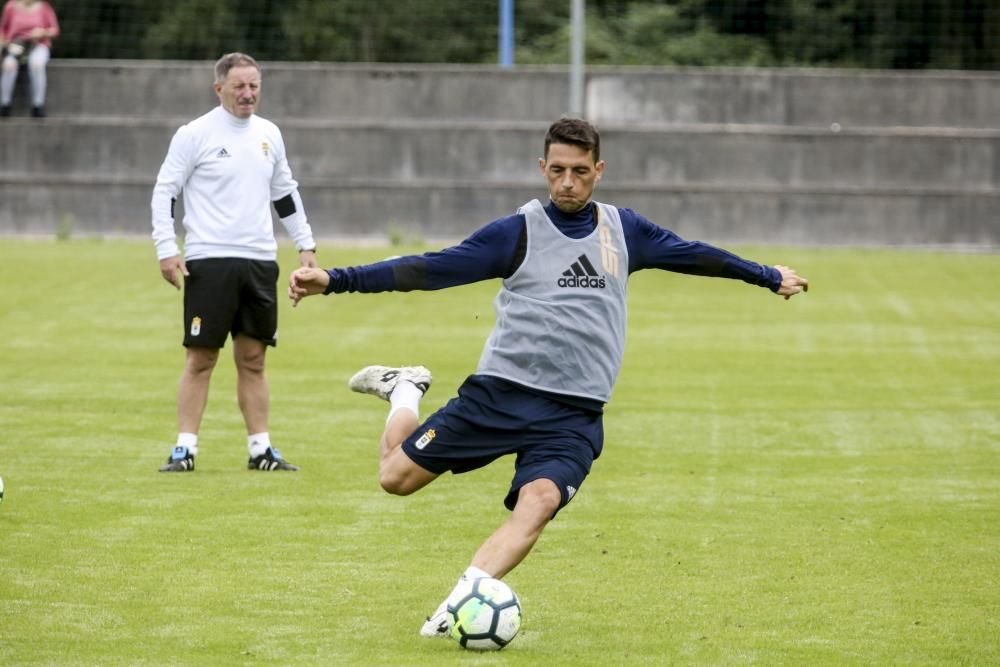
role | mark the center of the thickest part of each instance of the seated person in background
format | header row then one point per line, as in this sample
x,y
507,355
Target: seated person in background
x,y
26,31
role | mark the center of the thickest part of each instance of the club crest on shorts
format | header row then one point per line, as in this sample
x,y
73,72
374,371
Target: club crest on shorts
x,y
195,325
425,439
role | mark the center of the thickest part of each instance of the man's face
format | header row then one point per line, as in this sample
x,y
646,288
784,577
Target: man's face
x,y
239,92
572,174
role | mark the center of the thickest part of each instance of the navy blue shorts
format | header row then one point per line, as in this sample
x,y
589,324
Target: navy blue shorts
x,y
491,418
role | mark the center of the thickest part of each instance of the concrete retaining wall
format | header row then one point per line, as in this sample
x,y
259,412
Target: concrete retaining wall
x,y
799,156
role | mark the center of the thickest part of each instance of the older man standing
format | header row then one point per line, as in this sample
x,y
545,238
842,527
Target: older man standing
x,y
231,166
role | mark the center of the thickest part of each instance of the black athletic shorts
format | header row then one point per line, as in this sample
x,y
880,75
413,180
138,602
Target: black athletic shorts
x,y
230,295
491,418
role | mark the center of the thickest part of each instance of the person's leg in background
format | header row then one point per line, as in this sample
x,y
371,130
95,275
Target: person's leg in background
x,y
37,61
8,77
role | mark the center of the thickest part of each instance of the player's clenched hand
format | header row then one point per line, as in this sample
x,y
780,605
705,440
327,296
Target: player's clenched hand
x,y
791,282
169,266
306,281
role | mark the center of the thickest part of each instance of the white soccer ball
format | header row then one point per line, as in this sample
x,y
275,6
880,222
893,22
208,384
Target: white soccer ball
x,y
484,614
1,489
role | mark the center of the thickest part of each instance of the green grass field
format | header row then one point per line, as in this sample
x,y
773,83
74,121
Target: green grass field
x,y
812,482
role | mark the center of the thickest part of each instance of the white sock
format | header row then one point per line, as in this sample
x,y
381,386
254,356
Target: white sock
x,y
258,443
405,395
189,440
473,572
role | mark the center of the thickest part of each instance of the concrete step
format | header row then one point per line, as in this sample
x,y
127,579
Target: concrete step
x,y
131,150
453,210
170,89
795,97
755,96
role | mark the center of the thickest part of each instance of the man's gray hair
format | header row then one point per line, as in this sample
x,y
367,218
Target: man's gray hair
x,y
231,60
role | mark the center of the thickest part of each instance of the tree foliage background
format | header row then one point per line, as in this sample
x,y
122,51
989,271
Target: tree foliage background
x,y
901,34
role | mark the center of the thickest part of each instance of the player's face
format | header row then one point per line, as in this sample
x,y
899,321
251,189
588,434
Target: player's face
x,y
239,92
572,174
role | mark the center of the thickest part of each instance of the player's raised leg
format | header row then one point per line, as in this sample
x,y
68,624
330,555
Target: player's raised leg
x,y
403,387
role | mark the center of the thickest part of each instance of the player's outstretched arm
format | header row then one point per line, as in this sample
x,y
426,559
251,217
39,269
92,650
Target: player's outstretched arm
x,y
306,281
791,282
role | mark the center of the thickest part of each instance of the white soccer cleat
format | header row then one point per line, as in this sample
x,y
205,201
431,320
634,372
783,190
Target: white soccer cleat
x,y
381,380
436,624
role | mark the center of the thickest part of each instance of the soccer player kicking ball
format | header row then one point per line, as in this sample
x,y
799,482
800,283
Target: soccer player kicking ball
x,y
550,363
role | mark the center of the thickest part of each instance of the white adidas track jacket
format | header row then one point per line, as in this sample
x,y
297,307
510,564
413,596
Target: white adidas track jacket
x,y
230,170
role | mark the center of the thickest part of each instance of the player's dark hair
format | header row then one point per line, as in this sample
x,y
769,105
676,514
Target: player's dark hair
x,y
575,132
231,60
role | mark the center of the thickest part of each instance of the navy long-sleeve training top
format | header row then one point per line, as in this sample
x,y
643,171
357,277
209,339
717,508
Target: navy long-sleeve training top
x,y
497,250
